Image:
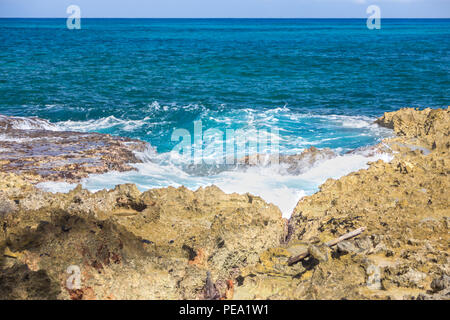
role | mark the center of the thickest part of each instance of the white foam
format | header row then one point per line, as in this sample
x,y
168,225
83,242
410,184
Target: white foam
x,y
264,182
102,123
32,123
55,187
340,166
270,183
6,138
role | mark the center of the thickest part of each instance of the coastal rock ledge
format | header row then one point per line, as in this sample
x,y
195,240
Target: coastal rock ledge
x,y
38,151
179,244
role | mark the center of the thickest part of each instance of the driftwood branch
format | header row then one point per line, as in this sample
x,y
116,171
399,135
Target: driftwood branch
x,y
331,243
346,236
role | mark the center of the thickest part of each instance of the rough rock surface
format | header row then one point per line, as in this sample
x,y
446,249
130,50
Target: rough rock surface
x,y
291,164
404,204
159,244
33,148
177,244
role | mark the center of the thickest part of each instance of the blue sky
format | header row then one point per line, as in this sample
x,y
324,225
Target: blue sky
x,y
227,8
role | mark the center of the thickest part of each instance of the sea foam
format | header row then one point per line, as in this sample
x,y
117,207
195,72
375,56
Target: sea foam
x,y
271,183
292,130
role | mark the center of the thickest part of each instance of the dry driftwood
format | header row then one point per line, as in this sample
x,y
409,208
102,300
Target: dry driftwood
x,y
331,243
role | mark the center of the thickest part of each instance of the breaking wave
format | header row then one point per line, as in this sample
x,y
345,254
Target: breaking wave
x,y
282,184
23,123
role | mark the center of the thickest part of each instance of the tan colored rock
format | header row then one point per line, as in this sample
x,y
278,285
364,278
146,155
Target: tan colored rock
x,y
153,245
403,204
162,243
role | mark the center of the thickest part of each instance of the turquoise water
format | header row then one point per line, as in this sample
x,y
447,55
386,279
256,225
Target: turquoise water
x,y
317,82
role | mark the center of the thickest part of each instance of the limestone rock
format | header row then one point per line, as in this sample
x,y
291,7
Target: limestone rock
x,y
405,208
131,245
441,283
162,243
49,154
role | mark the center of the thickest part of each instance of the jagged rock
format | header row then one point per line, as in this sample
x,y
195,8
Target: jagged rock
x,y
441,283
159,244
412,279
318,253
211,292
404,207
47,154
150,245
6,207
19,283
430,126
292,164
346,247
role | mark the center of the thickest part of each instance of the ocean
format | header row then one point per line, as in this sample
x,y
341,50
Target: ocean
x,y
303,82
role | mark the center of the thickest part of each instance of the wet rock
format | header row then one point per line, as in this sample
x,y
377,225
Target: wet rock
x,y
49,154
291,164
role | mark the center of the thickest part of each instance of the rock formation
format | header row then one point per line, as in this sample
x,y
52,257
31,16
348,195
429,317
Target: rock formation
x,y
294,164
180,244
159,244
404,205
45,154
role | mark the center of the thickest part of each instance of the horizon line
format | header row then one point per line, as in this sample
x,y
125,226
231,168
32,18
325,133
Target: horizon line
x,y
227,18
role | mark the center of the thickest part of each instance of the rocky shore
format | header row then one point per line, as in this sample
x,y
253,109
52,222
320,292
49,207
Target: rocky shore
x,y
180,244
46,154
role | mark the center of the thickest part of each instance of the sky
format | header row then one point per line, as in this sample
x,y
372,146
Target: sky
x,y
226,8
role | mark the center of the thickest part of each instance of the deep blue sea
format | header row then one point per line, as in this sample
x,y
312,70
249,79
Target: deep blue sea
x,y
309,82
